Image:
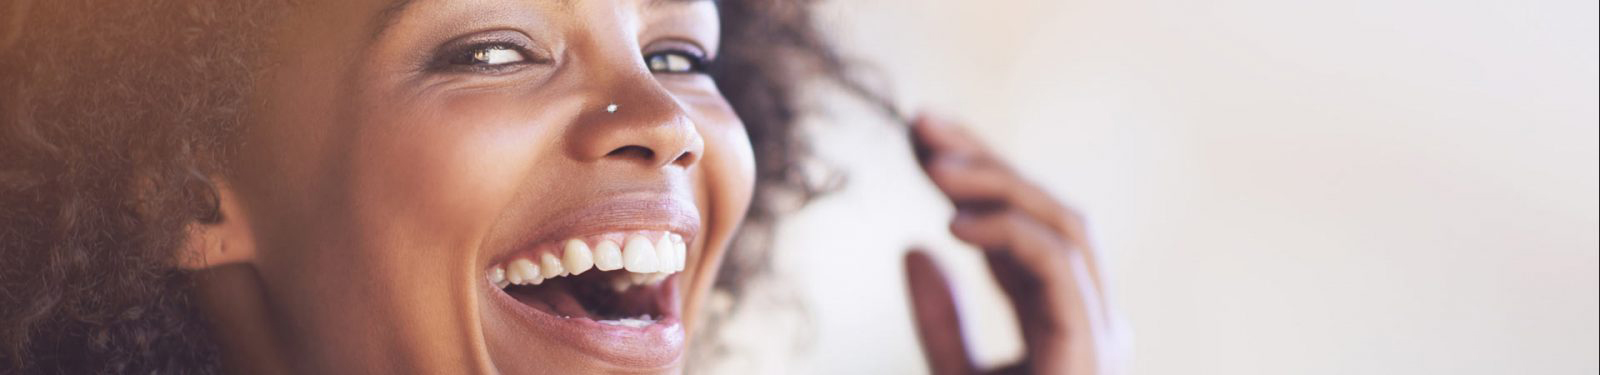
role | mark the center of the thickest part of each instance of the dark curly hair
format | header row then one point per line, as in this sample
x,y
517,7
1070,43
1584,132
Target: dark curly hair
x,y
112,114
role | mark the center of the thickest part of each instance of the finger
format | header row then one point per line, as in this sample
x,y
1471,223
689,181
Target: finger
x,y
1034,246
1049,233
1014,232
1065,329
986,188
934,136
1019,368
938,322
1089,331
967,181
1050,284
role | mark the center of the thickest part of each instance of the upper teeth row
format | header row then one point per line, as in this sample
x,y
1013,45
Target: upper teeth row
x,y
637,254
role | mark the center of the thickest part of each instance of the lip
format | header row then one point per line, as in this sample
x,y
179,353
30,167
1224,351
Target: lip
x,y
656,346
621,213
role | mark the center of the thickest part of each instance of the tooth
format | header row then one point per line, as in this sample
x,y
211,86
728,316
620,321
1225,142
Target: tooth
x,y
677,253
497,275
665,260
523,271
628,322
514,277
514,271
607,256
549,266
635,278
639,255
620,284
682,251
576,257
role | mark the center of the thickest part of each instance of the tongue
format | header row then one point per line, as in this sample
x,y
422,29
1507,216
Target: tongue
x,y
554,296
590,296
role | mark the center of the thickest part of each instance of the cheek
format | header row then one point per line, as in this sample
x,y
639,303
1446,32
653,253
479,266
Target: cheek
x,y
447,171
736,165
728,177
735,175
729,168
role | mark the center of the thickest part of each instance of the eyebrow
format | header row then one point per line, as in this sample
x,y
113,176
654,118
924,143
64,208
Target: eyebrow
x,y
387,16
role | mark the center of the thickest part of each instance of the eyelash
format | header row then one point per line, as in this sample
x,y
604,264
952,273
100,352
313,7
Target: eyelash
x,y
470,58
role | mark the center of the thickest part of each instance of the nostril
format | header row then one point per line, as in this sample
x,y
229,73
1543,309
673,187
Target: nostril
x,y
633,152
685,159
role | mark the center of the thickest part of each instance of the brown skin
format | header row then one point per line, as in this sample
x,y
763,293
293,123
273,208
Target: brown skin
x,y
1037,250
372,191
340,230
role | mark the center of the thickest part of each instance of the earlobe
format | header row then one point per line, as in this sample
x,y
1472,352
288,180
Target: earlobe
x,y
225,241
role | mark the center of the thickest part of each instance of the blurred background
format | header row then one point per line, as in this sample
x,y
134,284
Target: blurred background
x,y
1278,187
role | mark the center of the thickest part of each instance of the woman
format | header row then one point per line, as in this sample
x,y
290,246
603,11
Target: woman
x,y
429,186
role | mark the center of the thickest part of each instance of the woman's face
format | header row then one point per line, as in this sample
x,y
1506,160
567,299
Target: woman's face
x,y
404,157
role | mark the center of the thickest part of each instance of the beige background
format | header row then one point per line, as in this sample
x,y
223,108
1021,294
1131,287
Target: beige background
x,y
1280,187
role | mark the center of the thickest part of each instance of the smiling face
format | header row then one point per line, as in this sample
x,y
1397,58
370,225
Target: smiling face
x,y
414,169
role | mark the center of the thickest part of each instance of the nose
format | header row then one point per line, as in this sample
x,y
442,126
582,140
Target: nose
x,y
636,121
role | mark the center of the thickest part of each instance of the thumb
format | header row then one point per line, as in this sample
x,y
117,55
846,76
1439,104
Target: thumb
x,y
938,322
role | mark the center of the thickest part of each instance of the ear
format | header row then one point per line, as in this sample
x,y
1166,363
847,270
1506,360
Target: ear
x,y
229,240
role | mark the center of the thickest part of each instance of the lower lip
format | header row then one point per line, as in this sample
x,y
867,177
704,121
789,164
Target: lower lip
x,y
655,346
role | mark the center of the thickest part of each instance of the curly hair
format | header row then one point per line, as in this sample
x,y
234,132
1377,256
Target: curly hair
x,y
113,114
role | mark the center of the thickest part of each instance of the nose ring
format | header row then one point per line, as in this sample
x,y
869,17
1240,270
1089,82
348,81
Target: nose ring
x,y
611,108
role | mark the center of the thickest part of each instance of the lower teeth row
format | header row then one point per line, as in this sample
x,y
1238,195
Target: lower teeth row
x,y
634,322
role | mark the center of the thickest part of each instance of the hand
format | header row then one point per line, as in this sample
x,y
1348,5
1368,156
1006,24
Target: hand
x,y
1037,251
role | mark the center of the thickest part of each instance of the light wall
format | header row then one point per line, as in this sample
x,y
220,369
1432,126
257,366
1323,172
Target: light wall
x,y
1280,187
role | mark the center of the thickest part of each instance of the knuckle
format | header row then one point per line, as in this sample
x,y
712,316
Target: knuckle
x,y
1072,221
1070,214
958,228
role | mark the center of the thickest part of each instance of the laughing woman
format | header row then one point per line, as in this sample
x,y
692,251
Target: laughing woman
x,y
432,186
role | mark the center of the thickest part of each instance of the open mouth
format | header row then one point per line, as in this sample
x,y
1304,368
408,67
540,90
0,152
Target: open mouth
x,y
620,280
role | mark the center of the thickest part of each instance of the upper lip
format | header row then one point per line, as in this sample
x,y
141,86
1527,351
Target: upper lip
x,y
630,211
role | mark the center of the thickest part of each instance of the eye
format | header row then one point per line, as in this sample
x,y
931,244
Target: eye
x,y
489,55
675,62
